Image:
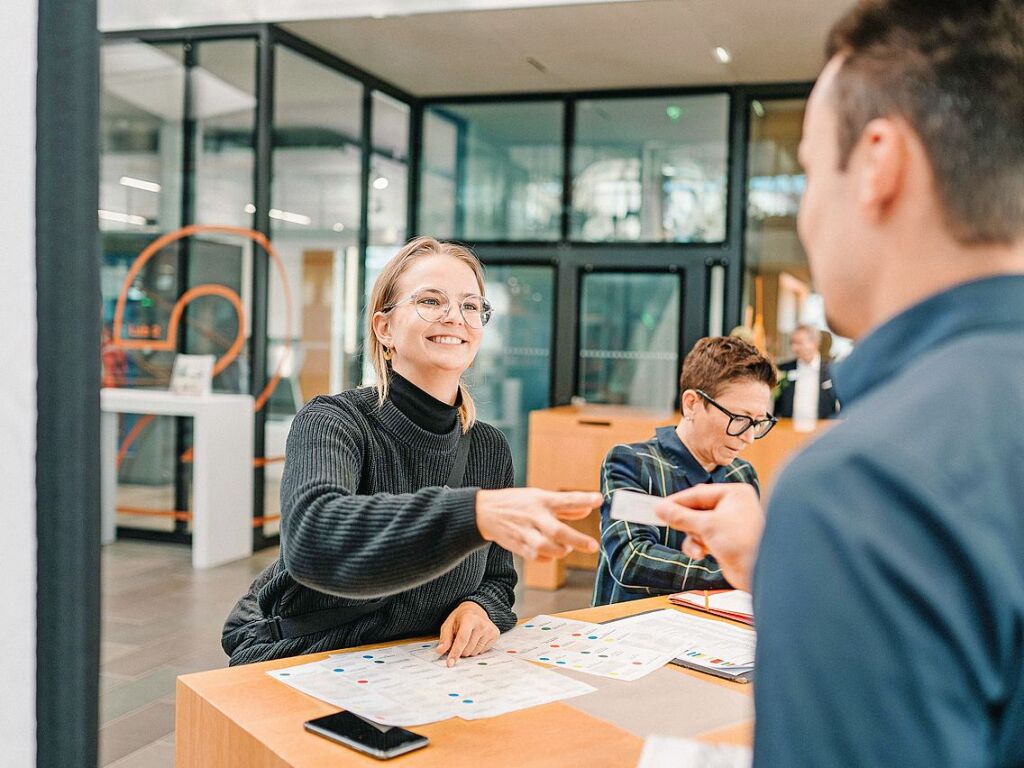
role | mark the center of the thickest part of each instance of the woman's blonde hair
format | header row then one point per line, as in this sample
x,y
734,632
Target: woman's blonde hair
x,y
384,293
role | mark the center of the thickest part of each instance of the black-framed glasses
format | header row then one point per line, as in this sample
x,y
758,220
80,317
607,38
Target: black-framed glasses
x,y
432,305
738,424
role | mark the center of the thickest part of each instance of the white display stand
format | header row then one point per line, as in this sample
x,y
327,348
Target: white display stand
x,y
221,467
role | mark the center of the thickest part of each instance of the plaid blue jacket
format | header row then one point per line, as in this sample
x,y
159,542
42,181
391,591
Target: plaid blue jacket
x,y
638,561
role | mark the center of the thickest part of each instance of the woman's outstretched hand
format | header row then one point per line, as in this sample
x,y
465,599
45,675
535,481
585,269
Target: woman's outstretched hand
x,y
528,521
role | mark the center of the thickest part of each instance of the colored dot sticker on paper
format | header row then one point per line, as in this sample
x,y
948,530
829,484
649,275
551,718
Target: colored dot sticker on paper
x,y
362,682
467,701
454,695
530,625
511,651
368,656
602,655
285,674
339,669
576,634
379,661
544,658
591,637
546,629
636,663
586,653
555,645
559,662
482,663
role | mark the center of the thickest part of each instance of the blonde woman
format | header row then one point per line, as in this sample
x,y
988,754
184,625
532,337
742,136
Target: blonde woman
x,y
397,518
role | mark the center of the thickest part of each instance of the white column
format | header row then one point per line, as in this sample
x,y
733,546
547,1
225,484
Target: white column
x,y
18,363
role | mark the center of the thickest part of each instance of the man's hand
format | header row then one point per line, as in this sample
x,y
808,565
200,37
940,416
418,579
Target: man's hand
x,y
721,519
527,521
468,631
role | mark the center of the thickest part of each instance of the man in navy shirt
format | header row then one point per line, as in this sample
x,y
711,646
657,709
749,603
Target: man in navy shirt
x,y
889,580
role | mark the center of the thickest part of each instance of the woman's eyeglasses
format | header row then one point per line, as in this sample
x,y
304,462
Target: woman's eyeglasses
x,y
738,424
432,305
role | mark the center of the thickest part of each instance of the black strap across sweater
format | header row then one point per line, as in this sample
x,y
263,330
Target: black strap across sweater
x,y
364,516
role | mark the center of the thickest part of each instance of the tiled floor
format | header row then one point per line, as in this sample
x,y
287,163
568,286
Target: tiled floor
x,y
162,619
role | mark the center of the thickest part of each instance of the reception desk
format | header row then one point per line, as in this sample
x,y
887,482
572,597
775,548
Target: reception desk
x,y
240,717
568,443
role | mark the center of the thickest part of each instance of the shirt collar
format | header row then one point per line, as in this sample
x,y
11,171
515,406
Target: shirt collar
x,y
987,303
814,365
669,442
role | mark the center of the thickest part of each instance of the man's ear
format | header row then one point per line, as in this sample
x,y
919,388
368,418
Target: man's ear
x,y
382,328
882,165
689,400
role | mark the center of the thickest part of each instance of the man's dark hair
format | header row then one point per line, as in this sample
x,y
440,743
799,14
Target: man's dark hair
x,y
954,70
718,361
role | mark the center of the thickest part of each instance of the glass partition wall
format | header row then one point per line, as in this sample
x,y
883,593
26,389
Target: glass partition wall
x,y
239,132
616,229
778,292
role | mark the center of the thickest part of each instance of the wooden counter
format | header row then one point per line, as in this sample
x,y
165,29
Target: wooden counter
x,y
240,717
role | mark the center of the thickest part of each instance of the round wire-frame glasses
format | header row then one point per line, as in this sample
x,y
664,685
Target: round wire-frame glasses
x,y
738,423
433,304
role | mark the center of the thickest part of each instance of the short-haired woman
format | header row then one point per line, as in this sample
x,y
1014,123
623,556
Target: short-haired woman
x,y
396,513
726,388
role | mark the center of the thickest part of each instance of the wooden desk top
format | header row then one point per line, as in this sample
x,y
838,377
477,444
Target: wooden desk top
x,y
240,716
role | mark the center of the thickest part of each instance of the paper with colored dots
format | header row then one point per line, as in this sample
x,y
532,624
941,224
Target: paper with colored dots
x,y
633,647
410,684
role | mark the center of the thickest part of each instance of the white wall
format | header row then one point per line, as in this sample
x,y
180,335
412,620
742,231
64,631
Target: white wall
x,y
18,390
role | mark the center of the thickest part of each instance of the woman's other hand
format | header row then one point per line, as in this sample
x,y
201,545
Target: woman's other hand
x,y
468,631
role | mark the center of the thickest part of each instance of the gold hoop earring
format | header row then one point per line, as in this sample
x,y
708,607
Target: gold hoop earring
x,y
388,353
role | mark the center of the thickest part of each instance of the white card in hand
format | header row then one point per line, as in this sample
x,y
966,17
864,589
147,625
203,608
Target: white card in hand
x,y
635,507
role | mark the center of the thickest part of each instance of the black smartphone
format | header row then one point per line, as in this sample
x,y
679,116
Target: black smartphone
x,y
380,741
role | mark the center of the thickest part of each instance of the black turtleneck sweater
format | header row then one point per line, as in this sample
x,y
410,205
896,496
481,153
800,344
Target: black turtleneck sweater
x,y
364,515
422,409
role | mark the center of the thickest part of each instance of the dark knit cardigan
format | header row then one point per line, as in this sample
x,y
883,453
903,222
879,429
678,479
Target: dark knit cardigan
x,y
364,515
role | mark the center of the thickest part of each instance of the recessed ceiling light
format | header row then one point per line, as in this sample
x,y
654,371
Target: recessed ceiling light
x,y
722,54
148,186
338,227
292,218
122,218
380,183
250,208
758,108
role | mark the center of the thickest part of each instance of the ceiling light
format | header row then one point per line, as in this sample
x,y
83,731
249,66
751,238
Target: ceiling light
x,y
758,108
148,186
123,218
380,183
292,218
722,54
338,227
674,112
250,208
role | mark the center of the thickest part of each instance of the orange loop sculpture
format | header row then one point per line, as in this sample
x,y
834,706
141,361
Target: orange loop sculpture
x,y
169,342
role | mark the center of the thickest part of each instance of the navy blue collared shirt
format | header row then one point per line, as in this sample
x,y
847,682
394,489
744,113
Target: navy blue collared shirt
x,y
639,561
889,587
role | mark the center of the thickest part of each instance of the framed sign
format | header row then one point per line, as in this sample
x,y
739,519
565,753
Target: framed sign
x,y
192,375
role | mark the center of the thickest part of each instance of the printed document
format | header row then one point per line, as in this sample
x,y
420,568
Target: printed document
x,y
411,685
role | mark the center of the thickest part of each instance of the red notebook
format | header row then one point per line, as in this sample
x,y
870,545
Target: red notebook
x,y
732,604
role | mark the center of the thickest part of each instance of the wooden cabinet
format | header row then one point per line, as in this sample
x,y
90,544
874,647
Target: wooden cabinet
x,y
566,447
568,443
